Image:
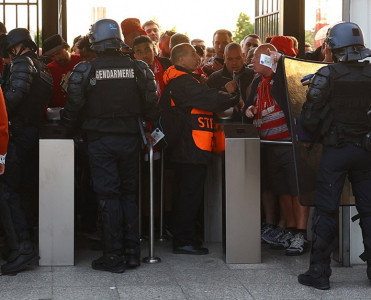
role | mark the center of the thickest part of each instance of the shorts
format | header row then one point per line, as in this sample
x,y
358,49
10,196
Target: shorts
x,y
278,170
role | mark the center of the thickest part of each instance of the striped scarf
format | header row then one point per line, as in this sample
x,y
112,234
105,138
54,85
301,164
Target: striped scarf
x,y
270,119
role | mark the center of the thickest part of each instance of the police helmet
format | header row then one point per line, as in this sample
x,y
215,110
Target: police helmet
x,y
105,34
344,34
20,35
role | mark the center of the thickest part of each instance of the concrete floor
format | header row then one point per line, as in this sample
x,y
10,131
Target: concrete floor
x,y
184,277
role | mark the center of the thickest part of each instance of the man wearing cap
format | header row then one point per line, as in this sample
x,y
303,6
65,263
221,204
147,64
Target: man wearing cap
x,y
284,44
131,28
61,67
164,43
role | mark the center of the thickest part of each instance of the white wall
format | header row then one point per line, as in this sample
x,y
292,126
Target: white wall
x,y
360,12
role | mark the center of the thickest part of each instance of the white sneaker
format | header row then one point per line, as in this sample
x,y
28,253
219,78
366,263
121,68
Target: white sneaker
x,y
297,246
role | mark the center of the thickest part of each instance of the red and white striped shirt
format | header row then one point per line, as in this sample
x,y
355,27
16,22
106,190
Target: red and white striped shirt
x,y
270,118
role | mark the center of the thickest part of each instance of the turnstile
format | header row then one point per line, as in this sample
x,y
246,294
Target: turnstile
x,y
235,178
56,202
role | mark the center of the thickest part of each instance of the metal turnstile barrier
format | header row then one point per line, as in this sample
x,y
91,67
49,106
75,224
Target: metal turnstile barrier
x,y
56,202
242,194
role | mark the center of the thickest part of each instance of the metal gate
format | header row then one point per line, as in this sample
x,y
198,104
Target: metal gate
x,y
21,13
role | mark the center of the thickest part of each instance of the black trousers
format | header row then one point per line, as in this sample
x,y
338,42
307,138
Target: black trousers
x,y
12,213
114,171
336,164
190,182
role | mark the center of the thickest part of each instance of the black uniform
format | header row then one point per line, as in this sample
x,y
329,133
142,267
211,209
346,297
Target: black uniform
x,y
335,112
26,93
109,94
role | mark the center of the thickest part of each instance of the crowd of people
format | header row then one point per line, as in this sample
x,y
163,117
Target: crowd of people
x,y
109,91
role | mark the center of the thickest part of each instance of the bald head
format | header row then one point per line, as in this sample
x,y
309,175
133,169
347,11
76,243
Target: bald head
x,y
177,39
257,66
265,49
185,55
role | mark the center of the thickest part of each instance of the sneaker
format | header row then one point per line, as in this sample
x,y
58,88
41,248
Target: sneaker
x,y
274,236
284,242
266,229
297,246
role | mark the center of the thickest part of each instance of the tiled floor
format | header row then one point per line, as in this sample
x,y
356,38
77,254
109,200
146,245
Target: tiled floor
x,y
184,277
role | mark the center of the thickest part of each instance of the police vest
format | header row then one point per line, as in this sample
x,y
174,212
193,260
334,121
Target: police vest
x,y
31,110
350,99
112,91
202,121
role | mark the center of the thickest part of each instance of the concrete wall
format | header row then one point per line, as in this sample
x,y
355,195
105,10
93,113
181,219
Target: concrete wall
x,y
359,11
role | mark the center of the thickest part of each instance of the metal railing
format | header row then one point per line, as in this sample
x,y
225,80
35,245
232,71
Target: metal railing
x,y
6,14
151,258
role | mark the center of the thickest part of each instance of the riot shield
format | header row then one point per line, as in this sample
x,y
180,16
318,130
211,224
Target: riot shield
x,y
307,154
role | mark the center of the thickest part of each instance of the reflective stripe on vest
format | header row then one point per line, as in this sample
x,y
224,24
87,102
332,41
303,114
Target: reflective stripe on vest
x,y
202,121
202,129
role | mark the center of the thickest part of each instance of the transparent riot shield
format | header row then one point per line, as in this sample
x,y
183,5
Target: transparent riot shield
x,y
307,154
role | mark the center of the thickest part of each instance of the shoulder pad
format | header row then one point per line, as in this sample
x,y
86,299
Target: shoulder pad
x,y
23,64
143,68
141,64
318,81
82,67
324,71
80,72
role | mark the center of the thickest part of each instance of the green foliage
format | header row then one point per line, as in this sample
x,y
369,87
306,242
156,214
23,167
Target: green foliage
x,y
38,41
243,27
309,37
160,27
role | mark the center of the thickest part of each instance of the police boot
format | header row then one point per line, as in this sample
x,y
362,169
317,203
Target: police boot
x,y
21,258
366,256
323,243
110,262
317,276
132,256
112,221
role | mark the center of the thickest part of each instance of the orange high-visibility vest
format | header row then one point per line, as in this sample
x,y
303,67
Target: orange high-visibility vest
x,y
202,121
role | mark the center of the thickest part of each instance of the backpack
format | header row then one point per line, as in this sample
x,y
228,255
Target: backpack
x,y
172,119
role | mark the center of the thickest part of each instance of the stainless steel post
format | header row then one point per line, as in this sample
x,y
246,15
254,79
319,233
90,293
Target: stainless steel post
x,y
276,142
162,237
140,195
151,259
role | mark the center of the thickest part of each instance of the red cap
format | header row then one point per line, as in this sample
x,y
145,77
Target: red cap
x,y
284,44
131,25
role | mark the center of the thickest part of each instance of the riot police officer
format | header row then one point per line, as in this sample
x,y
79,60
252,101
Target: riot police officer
x,y
111,92
337,112
26,92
